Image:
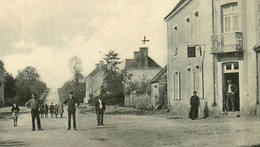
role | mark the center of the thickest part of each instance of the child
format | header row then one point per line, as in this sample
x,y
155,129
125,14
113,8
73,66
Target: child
x,y
56,110
15,109
51,110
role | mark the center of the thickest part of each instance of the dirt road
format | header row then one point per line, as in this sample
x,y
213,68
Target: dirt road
x,y
131,131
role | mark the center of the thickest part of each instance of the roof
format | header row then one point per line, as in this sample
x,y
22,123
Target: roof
x,y
132,63
95,71
175,8
159,74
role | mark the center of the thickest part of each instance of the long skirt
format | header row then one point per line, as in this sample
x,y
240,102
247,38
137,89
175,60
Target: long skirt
x,y
193,113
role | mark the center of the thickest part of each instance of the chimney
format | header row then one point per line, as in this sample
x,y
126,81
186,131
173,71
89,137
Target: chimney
x,y
136,55
101,63
143,60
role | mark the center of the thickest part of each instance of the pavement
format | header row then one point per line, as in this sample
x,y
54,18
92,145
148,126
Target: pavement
x,y
131,131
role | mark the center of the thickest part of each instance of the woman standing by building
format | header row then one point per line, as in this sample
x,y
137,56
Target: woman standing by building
x,y
15,109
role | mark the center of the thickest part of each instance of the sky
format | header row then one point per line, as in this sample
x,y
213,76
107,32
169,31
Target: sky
x,y
45,34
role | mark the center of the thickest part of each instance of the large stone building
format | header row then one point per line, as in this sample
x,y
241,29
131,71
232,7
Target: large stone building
x,y
2,100
94,81
210,42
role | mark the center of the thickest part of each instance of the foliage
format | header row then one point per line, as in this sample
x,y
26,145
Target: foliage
x,y
77,84
112,87
27,82
75,65
9,87
28,74
139,87
78,89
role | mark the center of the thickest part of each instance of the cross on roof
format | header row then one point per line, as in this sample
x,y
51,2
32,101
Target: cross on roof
x,y
145,40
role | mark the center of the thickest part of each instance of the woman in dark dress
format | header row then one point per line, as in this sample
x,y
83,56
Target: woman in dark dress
x,y
194,102
15,109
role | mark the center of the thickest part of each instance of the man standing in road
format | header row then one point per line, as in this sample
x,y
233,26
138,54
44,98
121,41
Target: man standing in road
x,y
34,104
71,101
230,90
100,108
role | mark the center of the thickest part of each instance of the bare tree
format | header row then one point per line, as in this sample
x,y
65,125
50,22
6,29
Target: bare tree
x,y
75,65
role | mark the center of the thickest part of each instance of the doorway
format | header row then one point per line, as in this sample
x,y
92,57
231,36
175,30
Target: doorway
x,y
234,77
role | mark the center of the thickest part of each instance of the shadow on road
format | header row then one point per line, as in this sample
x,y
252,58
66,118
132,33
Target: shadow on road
x,y
99,127
11,143
99,139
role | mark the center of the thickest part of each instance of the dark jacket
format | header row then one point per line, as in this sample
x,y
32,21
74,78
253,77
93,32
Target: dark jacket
x,y
194,101
97,104
71,103
233,88
51,108
15,109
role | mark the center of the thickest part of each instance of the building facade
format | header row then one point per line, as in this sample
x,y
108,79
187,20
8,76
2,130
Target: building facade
x,y
2,99
212,42
94,81
159,89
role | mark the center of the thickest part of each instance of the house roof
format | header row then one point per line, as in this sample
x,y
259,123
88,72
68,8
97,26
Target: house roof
x,y
175,8
159,74
95,71
132,63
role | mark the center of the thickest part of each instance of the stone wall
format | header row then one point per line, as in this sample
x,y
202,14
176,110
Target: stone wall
x,y
138,101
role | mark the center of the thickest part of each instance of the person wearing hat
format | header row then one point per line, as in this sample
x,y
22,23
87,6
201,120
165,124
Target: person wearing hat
x,y
71,101
100,107
194,103
230,91
34,104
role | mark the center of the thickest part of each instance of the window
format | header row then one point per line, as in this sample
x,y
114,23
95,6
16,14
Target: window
x,y
191,52
197,80
187,30
175,41
230,17
258,8
231,67
176,86
176,52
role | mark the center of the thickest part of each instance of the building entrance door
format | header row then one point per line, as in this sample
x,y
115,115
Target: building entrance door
x,y
231,72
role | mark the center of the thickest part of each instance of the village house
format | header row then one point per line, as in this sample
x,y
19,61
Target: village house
x,y
159,89
210,42
2,99
140,71
142,66
94,81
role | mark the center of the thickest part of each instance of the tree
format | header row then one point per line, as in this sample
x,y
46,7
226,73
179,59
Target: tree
x,y
27,82
75,64
29,74
112,87
112,61
9,87
77,85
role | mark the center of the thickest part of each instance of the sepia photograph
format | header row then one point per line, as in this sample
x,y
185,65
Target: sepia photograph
x,y
129,73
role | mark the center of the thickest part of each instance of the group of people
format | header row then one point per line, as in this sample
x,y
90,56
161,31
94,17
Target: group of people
x,y
53,109
229,100
38,108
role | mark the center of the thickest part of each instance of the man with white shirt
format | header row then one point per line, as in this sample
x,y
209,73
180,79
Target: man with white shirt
x,y
100,108
34,104
230,90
